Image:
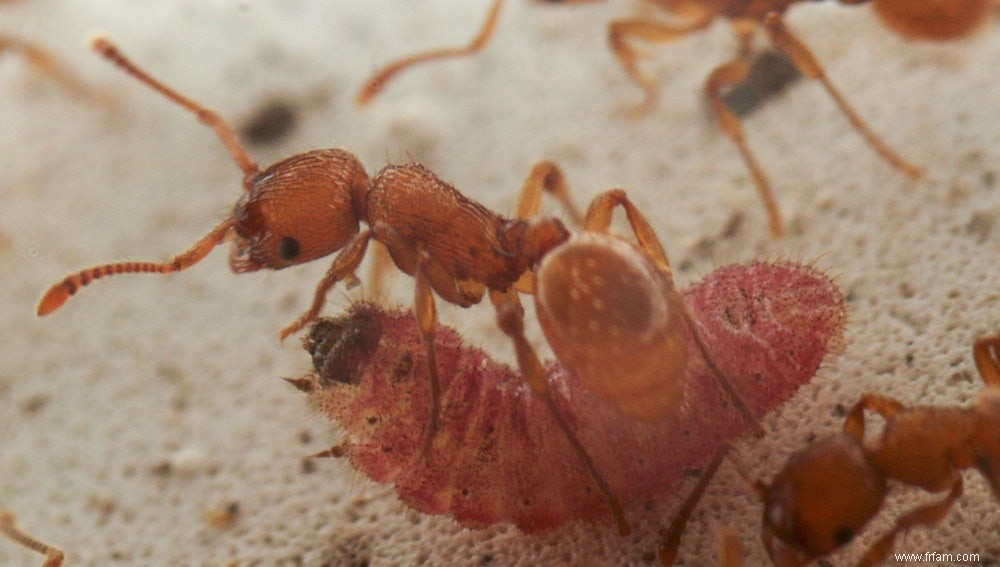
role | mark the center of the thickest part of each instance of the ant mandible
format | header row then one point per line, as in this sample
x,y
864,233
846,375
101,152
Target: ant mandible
x,y
596,293
827,492
941,20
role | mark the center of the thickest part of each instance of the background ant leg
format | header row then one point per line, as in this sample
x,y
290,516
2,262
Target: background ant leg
x,y
510,319
8,528
599,218
670,539
854,425
620,34
787,43
986,353
343,266
425,312
724,77
377,82
206,116
47,64
923,516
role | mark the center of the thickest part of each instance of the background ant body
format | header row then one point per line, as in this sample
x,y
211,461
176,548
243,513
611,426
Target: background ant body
x,y
827,492
911,19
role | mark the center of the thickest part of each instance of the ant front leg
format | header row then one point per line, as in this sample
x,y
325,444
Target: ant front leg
x,y
598,219
510,318
344,265
620,34
8,528
425,313
923,516
377,82
806,63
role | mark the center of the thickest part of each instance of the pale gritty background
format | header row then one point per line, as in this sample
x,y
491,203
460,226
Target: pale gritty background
x,y
144,372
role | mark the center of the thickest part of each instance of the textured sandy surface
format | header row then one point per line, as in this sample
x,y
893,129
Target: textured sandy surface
x,y
148,400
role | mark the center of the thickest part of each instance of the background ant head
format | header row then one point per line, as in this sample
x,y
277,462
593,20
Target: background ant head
x,y
298,210
823,497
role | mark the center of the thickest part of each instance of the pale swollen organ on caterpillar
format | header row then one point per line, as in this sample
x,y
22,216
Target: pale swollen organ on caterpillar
x,y
499,456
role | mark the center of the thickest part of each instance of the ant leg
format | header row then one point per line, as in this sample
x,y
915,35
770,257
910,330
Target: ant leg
x,y
109,51
923,516
854,425
510,318
377,82
8,528
730,550
986,353
381,262
60,293
599,218
803,59
343,266
546,176
425,313
670,540
721,78
620,32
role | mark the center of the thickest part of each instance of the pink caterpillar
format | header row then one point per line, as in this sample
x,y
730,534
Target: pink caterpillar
x,y
498,456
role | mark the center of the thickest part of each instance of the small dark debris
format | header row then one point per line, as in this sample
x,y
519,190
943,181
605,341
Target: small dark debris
x,y
270,123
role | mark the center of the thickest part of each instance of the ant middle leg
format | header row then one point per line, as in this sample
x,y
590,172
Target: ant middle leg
x,y
510,319
670,539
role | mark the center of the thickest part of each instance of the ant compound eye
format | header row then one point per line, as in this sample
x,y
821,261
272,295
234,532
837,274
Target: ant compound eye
x,y
843,535
288,248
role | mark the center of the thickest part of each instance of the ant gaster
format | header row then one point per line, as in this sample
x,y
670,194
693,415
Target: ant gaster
x,y
827,492
312,204
941,20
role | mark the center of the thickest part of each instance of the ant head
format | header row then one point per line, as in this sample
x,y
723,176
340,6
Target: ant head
x,y
825,494
943,20
298,210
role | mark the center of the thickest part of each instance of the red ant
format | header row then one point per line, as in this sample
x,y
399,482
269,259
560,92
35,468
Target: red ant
x,y
595,292
940,20
827,492
8,528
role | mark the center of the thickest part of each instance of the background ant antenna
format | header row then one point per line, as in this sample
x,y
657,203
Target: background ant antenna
x,y
109,51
